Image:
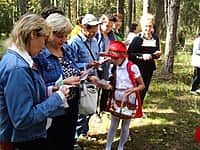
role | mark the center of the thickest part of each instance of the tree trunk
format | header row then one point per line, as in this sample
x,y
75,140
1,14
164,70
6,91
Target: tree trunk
x,y
69,9
120,6
55,3
64,5
129,14
134,10
145,7
159,14
24,6
77,8
45,3
172,13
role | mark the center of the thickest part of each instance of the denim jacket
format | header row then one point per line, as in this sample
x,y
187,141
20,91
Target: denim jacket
x,y
50,68
49,65
81,52
24,106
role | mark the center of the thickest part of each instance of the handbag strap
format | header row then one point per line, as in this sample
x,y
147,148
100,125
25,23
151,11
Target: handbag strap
x,y
89,49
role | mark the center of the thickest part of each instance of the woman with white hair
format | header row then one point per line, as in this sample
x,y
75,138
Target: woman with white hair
x,y
144,49
56,62
24,106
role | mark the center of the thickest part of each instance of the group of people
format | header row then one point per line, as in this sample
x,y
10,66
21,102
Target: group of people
x,y
40,82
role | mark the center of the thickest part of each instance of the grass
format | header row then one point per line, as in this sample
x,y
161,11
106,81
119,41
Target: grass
x,y
172,114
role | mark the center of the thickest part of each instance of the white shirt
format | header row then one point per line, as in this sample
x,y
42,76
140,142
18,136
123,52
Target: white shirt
x,y
122,77
123,81
196,53
130,37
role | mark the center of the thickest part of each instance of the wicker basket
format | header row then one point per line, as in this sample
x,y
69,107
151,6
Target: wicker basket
x,y
126,106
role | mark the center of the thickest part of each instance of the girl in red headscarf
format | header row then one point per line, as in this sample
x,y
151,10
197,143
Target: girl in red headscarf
x,y
125,101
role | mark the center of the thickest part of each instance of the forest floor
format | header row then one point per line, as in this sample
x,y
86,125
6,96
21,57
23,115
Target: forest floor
x,y
172,115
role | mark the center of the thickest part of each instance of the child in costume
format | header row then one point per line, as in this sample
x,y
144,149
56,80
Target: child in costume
x,y
125,102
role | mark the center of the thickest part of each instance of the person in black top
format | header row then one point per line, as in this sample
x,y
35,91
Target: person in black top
x,y
143,50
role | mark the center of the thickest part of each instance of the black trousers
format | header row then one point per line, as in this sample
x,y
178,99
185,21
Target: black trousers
x,y
147,79
103,98
196,79
63,128
32,145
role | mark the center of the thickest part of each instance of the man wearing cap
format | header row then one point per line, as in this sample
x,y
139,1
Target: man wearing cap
x,y
86,52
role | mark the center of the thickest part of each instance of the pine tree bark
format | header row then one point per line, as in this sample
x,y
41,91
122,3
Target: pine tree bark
x,y
129,14
171,12
45,3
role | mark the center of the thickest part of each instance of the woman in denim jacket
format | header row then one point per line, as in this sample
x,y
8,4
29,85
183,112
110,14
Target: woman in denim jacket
x,y
24,106
54,61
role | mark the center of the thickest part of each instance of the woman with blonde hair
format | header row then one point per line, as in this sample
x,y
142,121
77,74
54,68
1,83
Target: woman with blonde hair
x,y
144,50
24,106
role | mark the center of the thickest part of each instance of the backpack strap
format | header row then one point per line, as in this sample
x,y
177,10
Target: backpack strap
x,y
138,113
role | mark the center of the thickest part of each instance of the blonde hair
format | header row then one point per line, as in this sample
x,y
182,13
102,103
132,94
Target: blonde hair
x,y
20,35
59,23
147,17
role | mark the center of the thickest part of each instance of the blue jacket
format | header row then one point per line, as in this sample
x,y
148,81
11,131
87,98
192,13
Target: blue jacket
x,y
50,69
49,65
81,52
24,107
101,40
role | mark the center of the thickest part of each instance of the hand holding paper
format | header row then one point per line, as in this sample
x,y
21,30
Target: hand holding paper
x,y
103,60
85,74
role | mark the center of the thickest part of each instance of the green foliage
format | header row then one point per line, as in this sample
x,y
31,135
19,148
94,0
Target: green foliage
x,y
6,18
189,17
12,9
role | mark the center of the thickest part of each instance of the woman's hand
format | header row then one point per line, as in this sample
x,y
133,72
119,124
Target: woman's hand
x,y
73,80
65,90
129,92
147,56
157,54
55,88
104,84
108,87
93,79
94,64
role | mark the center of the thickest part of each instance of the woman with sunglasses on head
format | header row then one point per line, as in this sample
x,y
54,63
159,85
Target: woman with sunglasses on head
x,y
56,63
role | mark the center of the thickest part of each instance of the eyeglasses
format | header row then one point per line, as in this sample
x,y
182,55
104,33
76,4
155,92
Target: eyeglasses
x,y
60,35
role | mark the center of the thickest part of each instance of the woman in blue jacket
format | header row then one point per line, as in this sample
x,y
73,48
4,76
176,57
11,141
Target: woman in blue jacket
x,y
54,61
24,106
